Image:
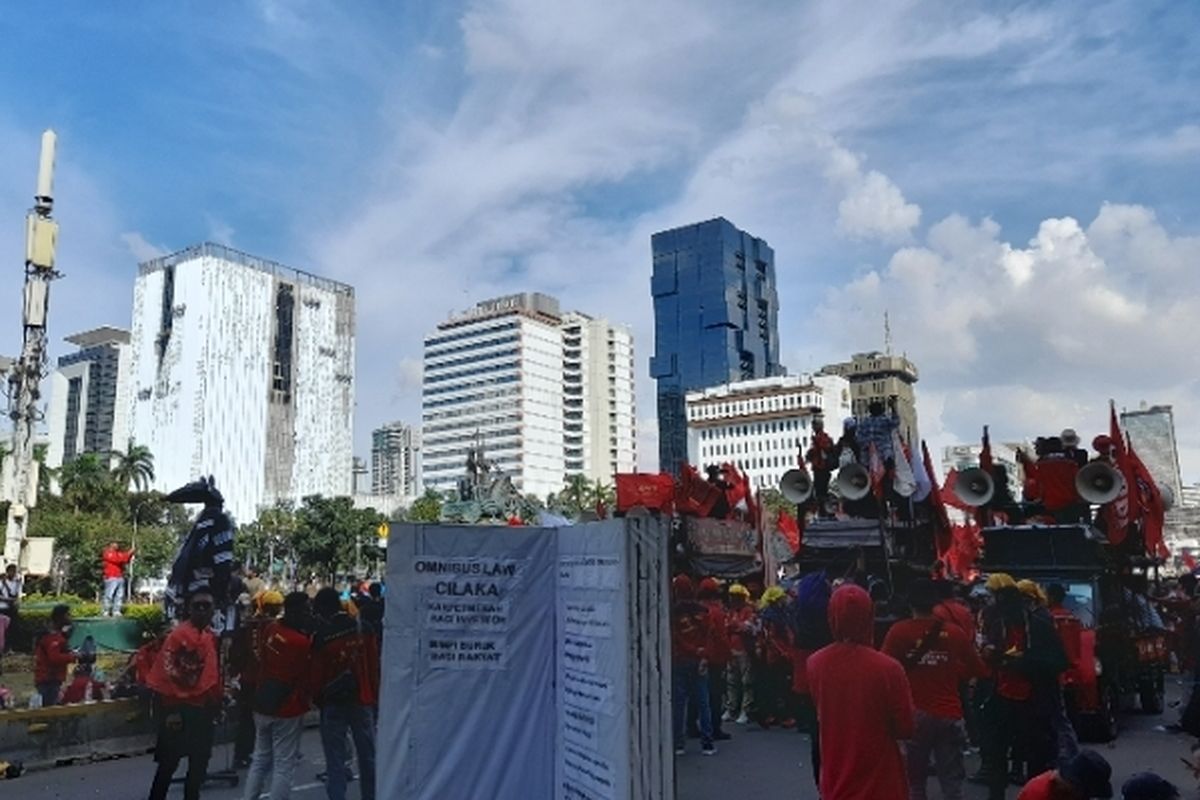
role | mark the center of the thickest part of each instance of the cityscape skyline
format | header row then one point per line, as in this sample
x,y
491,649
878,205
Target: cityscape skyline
x,y
873,199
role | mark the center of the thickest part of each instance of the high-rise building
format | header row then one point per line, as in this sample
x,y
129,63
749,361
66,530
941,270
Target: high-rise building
x,y
543,393
89,397
243,368
874,377
1151,431
763,426
396,460
715,320
600,433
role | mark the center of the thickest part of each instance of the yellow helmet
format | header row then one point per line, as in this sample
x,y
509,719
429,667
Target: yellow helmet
x,y
772,595
1033,591
1000,580
739,590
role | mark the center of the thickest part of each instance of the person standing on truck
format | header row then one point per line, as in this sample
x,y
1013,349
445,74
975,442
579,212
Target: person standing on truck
x,y
937,656
823,458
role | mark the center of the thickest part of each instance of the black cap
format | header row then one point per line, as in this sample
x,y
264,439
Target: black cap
x,y
1089,773
1148,786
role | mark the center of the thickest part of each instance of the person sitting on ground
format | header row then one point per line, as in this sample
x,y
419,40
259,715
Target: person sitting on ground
x,y
1086,776
1149,786
82,680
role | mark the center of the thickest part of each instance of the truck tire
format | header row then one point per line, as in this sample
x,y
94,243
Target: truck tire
x,y
1103,725
1151,691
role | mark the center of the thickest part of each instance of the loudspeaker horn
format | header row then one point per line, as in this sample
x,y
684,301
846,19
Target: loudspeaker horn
x,y
853,482
1098,483
1168,496
974,487
796,486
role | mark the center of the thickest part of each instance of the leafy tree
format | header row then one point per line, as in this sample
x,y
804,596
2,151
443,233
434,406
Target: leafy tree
x,y
269,540
576,495
332,535
604,493
134,467
87,485
426,508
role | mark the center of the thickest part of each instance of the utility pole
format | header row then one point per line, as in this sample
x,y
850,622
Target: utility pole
x,y
25,376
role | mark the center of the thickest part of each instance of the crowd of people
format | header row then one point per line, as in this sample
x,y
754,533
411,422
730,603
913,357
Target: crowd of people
x,y
888,699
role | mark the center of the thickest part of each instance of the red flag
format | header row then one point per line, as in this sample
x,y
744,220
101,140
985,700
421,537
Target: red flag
x,y
790,528
655,491
1119,513
948,497
694,495
739,486
1189,562
983,514
875,466
1150,504
943,536
964,551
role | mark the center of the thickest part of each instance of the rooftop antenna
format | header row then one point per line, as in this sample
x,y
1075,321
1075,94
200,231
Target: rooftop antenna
x,y
887,333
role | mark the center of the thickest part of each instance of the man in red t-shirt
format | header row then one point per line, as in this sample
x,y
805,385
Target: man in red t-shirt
x,y
823,458
937,657
281,699
114,559
739,677
718,655
52,655
691,638
864,706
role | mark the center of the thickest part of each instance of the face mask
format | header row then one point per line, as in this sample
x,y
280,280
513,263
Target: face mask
x,y
66,629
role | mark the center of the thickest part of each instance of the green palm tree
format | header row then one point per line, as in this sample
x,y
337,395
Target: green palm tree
x,y
576,494
85,481
135,466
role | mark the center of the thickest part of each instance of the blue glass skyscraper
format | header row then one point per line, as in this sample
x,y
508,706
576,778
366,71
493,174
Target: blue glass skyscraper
x,y
715,319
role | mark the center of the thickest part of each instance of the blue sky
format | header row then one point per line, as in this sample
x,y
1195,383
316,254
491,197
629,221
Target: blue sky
x,y
1014,182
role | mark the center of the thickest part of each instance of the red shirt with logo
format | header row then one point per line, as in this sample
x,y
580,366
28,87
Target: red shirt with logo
x,y
941,665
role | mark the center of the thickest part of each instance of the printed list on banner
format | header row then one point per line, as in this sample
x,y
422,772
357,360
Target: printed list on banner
x,y
589,572
466,611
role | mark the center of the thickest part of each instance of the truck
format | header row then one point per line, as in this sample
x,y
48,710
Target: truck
x,y
1116,658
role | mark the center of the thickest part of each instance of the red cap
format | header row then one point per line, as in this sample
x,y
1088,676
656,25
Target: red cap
x,y
681,586
710,586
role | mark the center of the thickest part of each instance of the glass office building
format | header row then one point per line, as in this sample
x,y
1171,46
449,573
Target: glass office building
x,y
716,315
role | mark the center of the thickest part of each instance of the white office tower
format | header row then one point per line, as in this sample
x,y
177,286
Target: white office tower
x,y
396,460
494,377
762,426
599,415
243,369
89,397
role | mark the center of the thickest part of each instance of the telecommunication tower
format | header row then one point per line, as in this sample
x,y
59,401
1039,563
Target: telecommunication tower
x,y
26,373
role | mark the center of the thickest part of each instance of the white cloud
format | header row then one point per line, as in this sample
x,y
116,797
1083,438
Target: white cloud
x,y
1031,348
875,207
140,249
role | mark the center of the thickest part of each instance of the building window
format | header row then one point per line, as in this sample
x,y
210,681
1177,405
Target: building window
x,y
281,369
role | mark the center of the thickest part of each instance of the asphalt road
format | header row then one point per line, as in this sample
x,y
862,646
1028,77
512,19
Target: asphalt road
x,y
756,763
775,764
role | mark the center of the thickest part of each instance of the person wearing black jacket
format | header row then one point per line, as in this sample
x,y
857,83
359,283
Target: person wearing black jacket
x,y
1027,658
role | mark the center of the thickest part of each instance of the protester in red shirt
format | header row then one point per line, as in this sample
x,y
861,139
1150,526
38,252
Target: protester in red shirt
x,y
52,655
864,706
718,652
187,679
937,657
691,638
739,675
281,700
114,578
245,661
344,681
1084,777
822,456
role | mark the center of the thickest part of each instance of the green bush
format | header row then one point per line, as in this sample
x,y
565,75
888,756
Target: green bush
x,y
148,617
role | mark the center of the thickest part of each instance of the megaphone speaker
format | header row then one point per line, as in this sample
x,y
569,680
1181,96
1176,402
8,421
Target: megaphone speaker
x,y
974,487
1098,483
853,482
796,486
